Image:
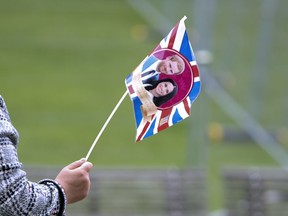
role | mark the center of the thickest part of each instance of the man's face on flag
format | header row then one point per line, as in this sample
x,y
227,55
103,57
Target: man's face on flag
x,y
169,66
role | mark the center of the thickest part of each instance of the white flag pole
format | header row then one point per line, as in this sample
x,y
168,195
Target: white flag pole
x,y
105,125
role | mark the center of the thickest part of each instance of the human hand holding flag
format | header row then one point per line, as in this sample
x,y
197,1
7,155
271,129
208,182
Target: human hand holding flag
x,y
163,86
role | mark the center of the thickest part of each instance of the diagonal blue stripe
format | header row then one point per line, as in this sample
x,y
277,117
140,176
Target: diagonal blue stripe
x,y
186,48
176,117
195,91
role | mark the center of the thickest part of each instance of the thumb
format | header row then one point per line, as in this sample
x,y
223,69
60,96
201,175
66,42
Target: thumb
x,y
87,166
76,164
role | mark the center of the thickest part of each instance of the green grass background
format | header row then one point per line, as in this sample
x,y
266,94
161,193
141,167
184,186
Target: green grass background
x,y
63,65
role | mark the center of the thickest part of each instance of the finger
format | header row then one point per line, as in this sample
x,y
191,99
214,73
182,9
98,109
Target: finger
x,y
75,164
87,166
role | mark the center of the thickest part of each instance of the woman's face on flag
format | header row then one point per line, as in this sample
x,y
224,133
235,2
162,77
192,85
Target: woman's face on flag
x,y
168,67
164,88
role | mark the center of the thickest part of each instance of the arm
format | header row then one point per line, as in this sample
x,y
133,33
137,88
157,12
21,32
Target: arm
x,y
22,197
18,195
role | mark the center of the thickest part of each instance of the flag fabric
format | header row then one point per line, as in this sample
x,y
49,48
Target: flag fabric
x,y
165,84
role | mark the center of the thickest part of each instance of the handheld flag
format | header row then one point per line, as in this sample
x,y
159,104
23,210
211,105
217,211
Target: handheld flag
x,y
162,87
165,84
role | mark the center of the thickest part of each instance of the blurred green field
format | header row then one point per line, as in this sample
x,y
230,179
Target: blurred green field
x,y
63,65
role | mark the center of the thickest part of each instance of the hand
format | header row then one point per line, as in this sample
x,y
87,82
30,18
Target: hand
x,y
75,180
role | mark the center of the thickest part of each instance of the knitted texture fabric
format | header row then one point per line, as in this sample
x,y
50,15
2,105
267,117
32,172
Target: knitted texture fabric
x,y
18,196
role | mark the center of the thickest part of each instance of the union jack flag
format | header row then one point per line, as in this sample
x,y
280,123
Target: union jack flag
x,y
188,85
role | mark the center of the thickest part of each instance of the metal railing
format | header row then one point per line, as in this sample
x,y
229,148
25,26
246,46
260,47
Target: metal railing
x,y
256,192
148,192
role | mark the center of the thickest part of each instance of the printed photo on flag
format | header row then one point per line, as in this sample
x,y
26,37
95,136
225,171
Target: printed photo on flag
x,y
165,84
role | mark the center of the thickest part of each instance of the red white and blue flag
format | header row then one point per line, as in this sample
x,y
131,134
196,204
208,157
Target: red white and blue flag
x,y
165,84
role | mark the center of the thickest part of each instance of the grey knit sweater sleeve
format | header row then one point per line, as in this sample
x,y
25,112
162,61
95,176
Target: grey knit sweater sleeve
x,y
18,196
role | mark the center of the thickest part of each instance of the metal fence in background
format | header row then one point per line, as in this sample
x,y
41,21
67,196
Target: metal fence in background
x,y
138,191
256,192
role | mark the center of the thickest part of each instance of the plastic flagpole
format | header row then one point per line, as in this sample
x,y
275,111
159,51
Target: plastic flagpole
x,y
105,125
